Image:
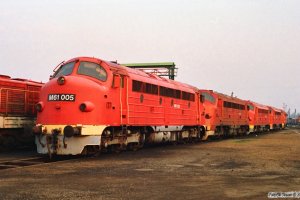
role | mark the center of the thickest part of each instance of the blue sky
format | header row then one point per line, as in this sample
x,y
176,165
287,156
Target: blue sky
x,y
248,47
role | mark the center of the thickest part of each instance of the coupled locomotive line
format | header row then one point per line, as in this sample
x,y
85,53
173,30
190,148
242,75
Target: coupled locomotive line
x,y
91,105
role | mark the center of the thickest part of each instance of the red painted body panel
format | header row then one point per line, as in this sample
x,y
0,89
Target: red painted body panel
x,y
159,110
216,114
67,112
276,116
229,115
283,117
18,96
259,115
209,109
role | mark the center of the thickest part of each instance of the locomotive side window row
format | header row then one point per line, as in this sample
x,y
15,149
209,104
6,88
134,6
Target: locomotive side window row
x,y
277,113
168,92
138,86
188,96
237,106
263,111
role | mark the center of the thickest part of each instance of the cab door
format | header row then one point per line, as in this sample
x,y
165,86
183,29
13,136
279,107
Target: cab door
x,y
220,112
122,83
117,104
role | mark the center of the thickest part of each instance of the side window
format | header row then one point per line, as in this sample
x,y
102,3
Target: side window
x,y
162,91
136,86
151,89
225,104
93,70
177,94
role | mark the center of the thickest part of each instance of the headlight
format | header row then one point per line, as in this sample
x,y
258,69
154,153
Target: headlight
x,y
86,106
39,106
61,80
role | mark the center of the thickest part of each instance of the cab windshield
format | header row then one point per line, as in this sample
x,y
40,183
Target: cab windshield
x,y
250,107
209,97
65,70
93,70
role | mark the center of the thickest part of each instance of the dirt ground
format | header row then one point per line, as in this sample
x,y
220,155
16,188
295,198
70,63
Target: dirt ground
x,y
240,168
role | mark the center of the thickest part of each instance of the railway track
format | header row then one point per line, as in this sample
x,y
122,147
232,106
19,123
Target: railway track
x,y
30,161
23,159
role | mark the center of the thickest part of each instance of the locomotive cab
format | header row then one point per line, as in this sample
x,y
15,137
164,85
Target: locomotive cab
x,y
251,116
208,115
93,70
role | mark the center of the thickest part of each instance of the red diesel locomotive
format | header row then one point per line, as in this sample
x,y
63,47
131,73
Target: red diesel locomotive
x,y
92,105
223,114
277,118
18,98
259,117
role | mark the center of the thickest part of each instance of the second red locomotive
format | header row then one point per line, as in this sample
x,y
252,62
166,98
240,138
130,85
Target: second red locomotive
x,y
18,98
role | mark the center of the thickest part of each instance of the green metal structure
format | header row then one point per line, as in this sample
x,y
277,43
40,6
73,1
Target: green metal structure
x,y
167,69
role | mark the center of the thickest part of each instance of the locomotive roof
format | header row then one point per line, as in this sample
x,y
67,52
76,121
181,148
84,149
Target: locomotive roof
x,y
261,106
136,73
18,80
139,74
275,109
231,98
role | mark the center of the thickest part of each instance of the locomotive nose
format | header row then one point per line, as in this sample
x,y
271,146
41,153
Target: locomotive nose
x,y
70,110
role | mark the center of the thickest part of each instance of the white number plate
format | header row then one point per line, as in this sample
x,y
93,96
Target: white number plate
x,y
61,97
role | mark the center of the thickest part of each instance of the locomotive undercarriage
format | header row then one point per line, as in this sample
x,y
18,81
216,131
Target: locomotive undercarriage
x,y
266,128
118,139
15,138
121,138
261,128
276,126
227,131
15,132
113,139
